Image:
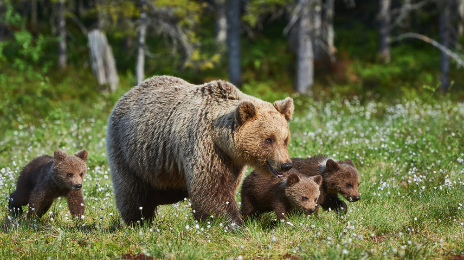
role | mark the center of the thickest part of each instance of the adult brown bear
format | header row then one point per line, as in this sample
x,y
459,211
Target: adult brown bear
x,y
168,139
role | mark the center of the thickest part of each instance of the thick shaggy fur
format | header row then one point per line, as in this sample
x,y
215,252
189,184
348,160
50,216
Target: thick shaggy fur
x,y
262,194
46,178
339,177
168,139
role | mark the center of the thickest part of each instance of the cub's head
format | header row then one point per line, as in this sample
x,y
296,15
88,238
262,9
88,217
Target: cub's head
x,y
341,177
262,135
69,170
303,192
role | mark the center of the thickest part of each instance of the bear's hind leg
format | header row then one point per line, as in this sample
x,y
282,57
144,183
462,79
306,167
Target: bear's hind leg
x,y
17,200
134,198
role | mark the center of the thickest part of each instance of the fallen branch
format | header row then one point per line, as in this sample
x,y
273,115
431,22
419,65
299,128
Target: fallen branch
x,y
434,43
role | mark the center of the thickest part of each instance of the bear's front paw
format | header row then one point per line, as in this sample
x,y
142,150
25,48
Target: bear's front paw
x,y
341,207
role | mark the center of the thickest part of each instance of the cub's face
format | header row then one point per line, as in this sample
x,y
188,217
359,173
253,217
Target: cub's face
x,y
343,178
303,192
69,170
263,136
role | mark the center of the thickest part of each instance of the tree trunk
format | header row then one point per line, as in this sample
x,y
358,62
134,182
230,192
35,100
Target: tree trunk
x,y
101,59
305,58
444,34
329,30
34,13
140,67
233,42
80,8
460,29
62,34
316,14
221,23
384,30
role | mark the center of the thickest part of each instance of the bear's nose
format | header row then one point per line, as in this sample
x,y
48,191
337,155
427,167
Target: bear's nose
x,y
356,198
286,166
77,186
312,210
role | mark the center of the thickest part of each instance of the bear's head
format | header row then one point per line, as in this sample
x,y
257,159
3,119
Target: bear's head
x,y
341,177
69,170
303,192
263,135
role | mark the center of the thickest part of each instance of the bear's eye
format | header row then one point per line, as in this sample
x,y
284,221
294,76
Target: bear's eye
x,y
270,140
304,198
286,141
70,175
315,200
81,174
349,185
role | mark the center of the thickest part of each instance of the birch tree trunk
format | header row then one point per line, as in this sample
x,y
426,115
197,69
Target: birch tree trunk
x,y
140,66
329,34
102,61
444,34
305,58
316,14
384,30
221,23
233,42
62,34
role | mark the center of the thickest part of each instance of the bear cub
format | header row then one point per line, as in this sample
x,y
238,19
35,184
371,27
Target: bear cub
x,y
46,178
339,177
262,194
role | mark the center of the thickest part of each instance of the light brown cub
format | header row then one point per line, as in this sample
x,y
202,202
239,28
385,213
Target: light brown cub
x,y
282,195
46,178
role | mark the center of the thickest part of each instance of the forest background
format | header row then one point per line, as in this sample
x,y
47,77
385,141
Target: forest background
x,y
379,82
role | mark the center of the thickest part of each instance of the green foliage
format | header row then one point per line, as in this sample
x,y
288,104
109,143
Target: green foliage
x,y
259,8
23,52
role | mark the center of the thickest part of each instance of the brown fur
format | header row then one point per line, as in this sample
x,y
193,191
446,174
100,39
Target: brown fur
x,y
168,139
339,177
46,178
282,195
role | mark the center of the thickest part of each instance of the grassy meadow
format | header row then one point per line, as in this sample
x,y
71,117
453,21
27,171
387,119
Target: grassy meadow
x,y
409,152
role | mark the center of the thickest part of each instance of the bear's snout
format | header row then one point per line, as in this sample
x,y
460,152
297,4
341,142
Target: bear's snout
x,y
312,210
286,166
77,186
355,198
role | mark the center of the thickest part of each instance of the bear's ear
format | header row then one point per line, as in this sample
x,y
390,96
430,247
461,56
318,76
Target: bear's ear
x,y
332,165
82,154
59,155
318,179
292,179
245,111
349,162
285,107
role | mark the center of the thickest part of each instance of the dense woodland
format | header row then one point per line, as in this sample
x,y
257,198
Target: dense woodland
x,y
301,43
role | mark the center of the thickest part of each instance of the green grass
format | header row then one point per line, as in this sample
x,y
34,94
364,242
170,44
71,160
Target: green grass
x,y
409,154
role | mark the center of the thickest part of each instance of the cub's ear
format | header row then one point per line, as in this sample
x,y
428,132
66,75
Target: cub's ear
x,y
292,179
82,154
285,107
245,111
332,165
317,179
59,155
349,162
